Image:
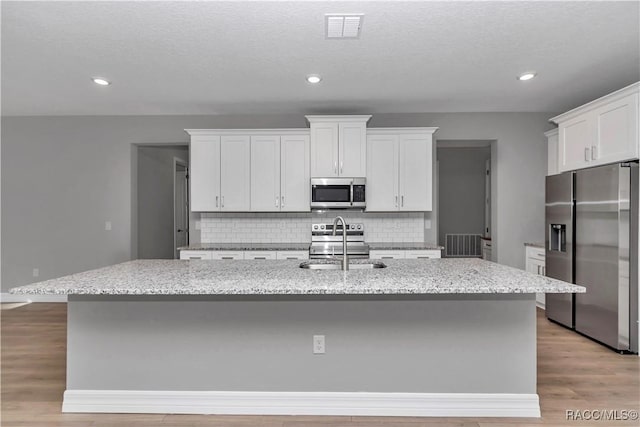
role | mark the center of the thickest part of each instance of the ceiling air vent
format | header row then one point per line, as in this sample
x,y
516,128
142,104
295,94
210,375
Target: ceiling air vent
x,y
343,25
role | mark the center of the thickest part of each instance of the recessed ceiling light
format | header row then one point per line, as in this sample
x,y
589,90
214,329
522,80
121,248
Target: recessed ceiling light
x,y
314,78
100,81
527,76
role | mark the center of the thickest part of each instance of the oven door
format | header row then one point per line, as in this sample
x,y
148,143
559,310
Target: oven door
x,y
331,193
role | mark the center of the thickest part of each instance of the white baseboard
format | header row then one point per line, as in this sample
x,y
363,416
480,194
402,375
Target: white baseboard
x,y
7,297
541,305
303,403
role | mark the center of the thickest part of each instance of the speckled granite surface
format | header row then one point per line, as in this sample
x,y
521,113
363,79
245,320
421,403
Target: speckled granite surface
x,y
535,245
246,247
202,277
408,246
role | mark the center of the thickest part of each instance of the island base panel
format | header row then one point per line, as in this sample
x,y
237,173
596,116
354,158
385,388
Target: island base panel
x,y
447,355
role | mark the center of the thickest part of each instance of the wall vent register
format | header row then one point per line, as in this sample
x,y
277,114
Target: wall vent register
x,y
343,26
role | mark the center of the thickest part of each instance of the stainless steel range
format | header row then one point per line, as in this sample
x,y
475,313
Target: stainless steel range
x,y
325,245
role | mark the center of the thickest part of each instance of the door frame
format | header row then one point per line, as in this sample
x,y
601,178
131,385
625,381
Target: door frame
x,y
181,162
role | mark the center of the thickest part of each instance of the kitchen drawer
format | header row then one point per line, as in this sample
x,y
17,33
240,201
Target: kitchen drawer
x,y
260,255
227,255
292,255
420,254
535,253
195,254
386,254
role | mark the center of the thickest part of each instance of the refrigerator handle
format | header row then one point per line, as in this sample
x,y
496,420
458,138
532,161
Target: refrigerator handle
x,y
586,154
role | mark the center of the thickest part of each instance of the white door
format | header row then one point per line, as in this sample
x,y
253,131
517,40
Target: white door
x,y
382,173
617,131
294,174
575,139
416,177
265,173
352,148
324,150
235,173
205,173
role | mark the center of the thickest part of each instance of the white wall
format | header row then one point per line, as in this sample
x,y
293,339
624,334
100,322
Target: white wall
x,y
63,177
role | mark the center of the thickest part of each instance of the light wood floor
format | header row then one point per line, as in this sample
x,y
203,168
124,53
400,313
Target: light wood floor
x,y
573,373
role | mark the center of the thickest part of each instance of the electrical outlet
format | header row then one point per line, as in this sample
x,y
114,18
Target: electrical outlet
x,y
107,226
318,344
36,272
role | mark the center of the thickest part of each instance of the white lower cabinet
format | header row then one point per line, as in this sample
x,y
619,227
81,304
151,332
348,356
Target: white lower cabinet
x,y
195,254
402,254
227,254
259,254
292,255
535,263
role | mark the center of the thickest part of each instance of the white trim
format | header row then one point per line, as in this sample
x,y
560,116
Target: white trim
x,y
552,132
7,297
541,305
303,403
338,118
218,132
621,93
401,131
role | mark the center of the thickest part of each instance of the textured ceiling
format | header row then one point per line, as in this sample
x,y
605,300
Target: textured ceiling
x,y
252,57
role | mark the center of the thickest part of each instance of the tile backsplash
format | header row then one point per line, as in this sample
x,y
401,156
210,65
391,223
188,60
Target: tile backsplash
x,y
296,227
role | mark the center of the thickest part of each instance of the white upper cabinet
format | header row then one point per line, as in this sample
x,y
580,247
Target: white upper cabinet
x,y
265,173
600,132
235,173
399,169
552,151
205,173
338,146
294,173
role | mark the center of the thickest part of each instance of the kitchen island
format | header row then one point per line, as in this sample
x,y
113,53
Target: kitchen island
x,y
439,337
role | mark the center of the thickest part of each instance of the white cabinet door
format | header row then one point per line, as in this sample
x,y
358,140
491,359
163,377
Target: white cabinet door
x,y
195,254
617,131
227,255
292,255
382,173
265,173
415,172
324,150
235,173
205,173
352,148
386,254
576,139
552,152
294,174
422,254
259,254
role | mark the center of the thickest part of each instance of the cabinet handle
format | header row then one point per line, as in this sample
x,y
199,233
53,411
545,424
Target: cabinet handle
x,y
282,204
386,257
195,257
544,271
538,269
260,257
335,167
276,201
222,199
227,257
216,201
593,152
341,165
396,201
586,154
402,201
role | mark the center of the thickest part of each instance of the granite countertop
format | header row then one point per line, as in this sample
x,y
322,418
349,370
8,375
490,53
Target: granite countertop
x,y
535,244
246,247
416,246
284,277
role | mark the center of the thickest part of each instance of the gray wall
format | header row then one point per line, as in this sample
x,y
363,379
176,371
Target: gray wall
x,y
155,200
63,177
461,190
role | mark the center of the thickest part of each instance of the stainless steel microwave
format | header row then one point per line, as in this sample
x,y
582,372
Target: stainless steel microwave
x,y
338,193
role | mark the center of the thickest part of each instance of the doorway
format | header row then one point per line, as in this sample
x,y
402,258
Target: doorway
x,y
161,198
464,196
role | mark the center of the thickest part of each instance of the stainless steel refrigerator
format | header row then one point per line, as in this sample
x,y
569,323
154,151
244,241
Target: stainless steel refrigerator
x,y
591,240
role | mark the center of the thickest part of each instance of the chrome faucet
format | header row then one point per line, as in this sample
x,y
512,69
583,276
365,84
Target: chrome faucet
x,y
345,257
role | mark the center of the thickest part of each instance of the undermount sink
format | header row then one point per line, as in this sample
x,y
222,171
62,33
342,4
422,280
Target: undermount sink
x,y
335,265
